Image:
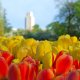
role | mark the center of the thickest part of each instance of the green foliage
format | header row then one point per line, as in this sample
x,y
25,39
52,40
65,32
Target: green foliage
x,y
1,21
4,26
29,34
19,32
57,28
36,28
7,27
1,27
70,14
69,19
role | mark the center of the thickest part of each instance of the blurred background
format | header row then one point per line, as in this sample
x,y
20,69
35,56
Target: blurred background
x,y
41,20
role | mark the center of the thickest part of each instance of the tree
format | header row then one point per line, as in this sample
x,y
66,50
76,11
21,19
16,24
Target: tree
x,y
36,28
19,32
70,15
68,19
1,21
4,26
7,27
29,34
57,28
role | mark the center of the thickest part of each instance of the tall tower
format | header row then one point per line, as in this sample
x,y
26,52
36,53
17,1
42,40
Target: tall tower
x,y
29,21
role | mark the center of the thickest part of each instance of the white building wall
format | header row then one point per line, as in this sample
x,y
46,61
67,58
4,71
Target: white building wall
x,y
30,21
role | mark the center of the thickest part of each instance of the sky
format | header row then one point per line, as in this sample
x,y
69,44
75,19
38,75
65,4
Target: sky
x,y
44,11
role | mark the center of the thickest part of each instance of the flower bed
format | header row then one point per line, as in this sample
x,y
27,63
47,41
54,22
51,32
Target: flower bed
x,y
29,59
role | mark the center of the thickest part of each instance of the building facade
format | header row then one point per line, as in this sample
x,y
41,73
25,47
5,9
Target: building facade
x,y
29,21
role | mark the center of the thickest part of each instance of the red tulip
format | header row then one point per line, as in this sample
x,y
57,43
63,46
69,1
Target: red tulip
x,y
3,68
14,72
46,74
8,57
63,64
73,75
61,77
58,55
29,59
32,73
76,63
24,70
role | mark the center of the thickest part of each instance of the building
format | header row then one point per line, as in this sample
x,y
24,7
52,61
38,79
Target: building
x,y
29,21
